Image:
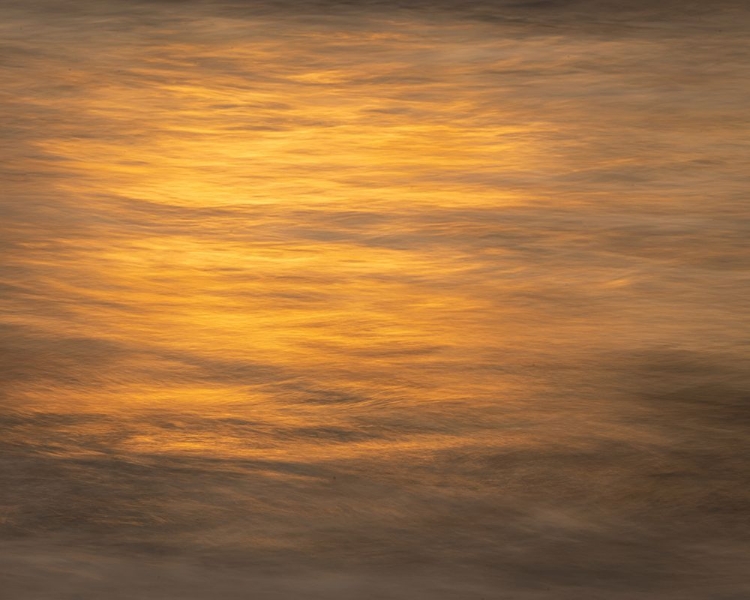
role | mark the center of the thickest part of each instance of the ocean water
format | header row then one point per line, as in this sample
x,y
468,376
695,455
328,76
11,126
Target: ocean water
x,y
374,300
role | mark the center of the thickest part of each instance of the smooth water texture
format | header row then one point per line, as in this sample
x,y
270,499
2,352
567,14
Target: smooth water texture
x,y
374,301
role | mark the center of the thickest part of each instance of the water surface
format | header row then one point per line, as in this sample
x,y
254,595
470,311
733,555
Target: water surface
x,y
373,300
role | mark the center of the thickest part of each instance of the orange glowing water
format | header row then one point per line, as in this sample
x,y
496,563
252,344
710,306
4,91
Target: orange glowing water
x,y
367,292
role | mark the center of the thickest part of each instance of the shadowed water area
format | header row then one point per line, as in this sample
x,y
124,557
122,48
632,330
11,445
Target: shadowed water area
x,y
337,300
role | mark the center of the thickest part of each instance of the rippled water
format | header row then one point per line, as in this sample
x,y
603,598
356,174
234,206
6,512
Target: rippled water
x,y
374,300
